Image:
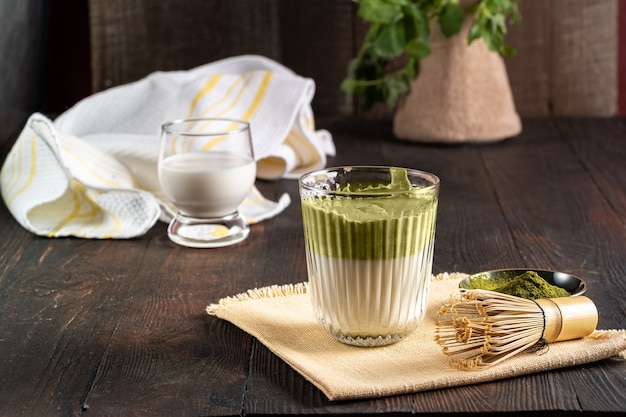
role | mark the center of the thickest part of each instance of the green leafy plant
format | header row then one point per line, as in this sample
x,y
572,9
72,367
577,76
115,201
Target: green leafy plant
x,y
398,38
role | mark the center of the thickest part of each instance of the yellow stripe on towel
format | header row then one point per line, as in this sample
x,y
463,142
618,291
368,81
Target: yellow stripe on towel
x,y
96,163
258,98
223,99
211,83
235,98
85,212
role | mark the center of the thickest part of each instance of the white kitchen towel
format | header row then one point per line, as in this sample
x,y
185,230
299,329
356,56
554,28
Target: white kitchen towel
x,y
92,172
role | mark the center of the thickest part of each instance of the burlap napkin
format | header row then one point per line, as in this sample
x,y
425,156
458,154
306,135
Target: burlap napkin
x,y
92,172
281,317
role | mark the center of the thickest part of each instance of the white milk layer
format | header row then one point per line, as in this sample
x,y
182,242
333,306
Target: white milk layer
x,y
370,302
207,184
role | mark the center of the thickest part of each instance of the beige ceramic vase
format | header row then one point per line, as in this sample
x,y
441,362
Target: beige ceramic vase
x,y
462,94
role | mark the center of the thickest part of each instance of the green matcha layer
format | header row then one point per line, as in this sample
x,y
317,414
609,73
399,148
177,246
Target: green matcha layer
x,y
371,220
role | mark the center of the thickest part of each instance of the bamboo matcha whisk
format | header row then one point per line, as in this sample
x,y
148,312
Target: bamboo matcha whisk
x,y
482,328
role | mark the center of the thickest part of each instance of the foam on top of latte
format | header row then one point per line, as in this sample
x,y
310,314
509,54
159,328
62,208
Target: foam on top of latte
x,y
363,220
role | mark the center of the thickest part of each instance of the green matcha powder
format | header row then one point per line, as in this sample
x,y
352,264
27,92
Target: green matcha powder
x,y
527,285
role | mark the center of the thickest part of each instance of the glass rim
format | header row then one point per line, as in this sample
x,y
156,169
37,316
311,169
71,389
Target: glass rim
x,y
425,175
243,125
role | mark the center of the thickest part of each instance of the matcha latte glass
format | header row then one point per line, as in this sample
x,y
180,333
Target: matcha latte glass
x,y
369,237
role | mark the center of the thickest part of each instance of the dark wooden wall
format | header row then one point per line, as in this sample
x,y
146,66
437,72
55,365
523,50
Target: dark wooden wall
x,y
22,28
55,52
131,38
566,62
567,58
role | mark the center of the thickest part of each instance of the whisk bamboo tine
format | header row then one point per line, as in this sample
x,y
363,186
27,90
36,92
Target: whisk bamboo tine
x,y
481,328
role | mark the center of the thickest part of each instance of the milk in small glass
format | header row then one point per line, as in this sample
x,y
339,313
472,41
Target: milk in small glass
x,y
206,169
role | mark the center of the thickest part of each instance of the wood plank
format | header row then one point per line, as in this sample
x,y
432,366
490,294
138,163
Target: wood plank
x,y
119,326
169,354
22,48
599,387
132,38
67,72
470,215
601,146
562,233
107,326
621,59
566,62
316,41
601,152
559,216
583,77
58,318
529,70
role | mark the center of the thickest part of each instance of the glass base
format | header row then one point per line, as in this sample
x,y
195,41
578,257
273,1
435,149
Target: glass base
x,y
208,233
367,341
383,339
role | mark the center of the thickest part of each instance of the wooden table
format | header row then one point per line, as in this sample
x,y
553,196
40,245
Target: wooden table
x,y
119,327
